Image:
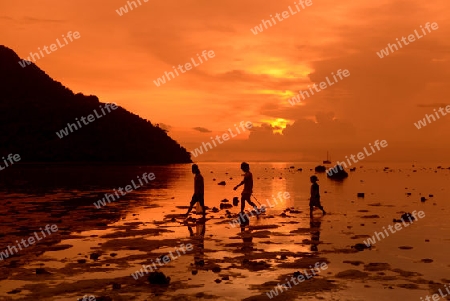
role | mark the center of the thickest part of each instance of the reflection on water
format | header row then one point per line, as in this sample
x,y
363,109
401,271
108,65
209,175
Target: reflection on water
x,y
32,196
198,240
315,233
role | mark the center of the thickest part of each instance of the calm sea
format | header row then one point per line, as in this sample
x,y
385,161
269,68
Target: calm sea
x,y
30,195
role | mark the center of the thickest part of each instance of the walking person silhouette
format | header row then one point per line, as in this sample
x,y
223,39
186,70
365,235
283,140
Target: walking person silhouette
x,y
199,191
314,200
248,187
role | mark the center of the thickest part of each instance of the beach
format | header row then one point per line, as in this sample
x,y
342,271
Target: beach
x,y
96,250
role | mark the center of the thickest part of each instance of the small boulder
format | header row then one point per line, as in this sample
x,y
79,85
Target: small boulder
x,y
158,278
225,206
94,256
361,247
116,286
42,271
408,217
320,168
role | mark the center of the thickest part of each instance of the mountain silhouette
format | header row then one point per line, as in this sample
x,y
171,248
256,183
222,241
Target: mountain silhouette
x,y
34,107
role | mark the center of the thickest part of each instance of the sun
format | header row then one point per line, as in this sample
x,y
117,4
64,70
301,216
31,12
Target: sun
x,y
278,124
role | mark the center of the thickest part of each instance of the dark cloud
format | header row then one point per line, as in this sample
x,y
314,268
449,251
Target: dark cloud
x,y
165,127
432,105
41,20
202,130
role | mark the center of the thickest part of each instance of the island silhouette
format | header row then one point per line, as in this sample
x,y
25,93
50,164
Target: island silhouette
x,y
35,107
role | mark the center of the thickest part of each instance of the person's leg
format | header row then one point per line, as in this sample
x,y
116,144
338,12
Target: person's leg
x,y
242,218
311,208
321,208
242,202
189,210
193,201
246,198
202,204
191,233
250,202
255,207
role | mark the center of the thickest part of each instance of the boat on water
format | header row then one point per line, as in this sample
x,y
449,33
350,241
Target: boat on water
x,y
337,173
320,168
327,161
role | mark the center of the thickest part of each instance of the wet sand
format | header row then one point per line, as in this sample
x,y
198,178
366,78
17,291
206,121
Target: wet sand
x,y
96,250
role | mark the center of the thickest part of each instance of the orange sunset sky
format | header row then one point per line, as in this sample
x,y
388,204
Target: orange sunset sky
x,y
252,76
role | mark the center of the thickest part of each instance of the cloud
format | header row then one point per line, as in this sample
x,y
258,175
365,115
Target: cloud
x,y
202,129
164,126
433,105
31,20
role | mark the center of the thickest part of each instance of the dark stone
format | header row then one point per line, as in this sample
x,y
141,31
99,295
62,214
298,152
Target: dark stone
x,y
427,260
225,206
320,168
42,271
158,278
407,217
361,247
94,256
